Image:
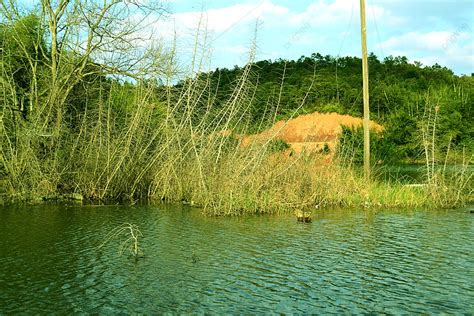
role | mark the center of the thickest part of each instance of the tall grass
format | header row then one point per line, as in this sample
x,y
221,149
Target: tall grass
x,y
446,186
158,142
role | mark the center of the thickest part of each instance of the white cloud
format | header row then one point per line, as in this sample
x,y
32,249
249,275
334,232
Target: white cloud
x,y
452,49
325,26
433,41
236,49
340,12
217,21
320,13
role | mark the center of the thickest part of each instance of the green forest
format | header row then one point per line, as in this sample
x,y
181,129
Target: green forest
x,y
85,113
403,95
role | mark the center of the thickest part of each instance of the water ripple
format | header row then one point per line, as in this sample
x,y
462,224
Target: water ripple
x,y
393,262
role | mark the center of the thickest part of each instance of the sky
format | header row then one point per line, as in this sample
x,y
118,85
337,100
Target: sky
x,y
428,31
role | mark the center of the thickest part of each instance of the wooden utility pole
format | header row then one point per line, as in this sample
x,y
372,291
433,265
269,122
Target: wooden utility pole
x,y
365,75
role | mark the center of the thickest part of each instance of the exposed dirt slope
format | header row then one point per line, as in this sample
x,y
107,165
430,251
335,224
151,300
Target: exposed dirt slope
x,y
310,131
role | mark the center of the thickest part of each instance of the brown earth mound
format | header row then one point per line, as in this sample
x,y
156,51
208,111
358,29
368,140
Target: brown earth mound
x,y
311,131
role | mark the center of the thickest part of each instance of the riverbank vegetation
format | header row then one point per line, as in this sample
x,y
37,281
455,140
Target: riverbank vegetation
x,y
88,107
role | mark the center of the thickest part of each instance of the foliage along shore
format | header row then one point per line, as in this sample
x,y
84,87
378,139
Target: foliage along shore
x,y
77,120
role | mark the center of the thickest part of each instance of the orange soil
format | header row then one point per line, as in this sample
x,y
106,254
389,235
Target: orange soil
x,y
311,131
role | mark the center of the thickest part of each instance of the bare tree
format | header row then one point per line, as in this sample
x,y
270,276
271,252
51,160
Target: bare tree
x,y
50,49
85,38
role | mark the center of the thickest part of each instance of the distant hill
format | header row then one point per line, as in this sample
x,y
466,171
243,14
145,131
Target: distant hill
x,y
403,96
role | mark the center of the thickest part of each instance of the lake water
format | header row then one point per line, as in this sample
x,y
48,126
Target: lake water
x,y
413,173
346,261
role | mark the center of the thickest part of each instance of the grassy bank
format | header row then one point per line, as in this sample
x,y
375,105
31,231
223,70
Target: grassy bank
x,y
219,175
110,130
281,184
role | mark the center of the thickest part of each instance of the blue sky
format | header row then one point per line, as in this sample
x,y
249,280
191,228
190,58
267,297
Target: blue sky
x,y
426,31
